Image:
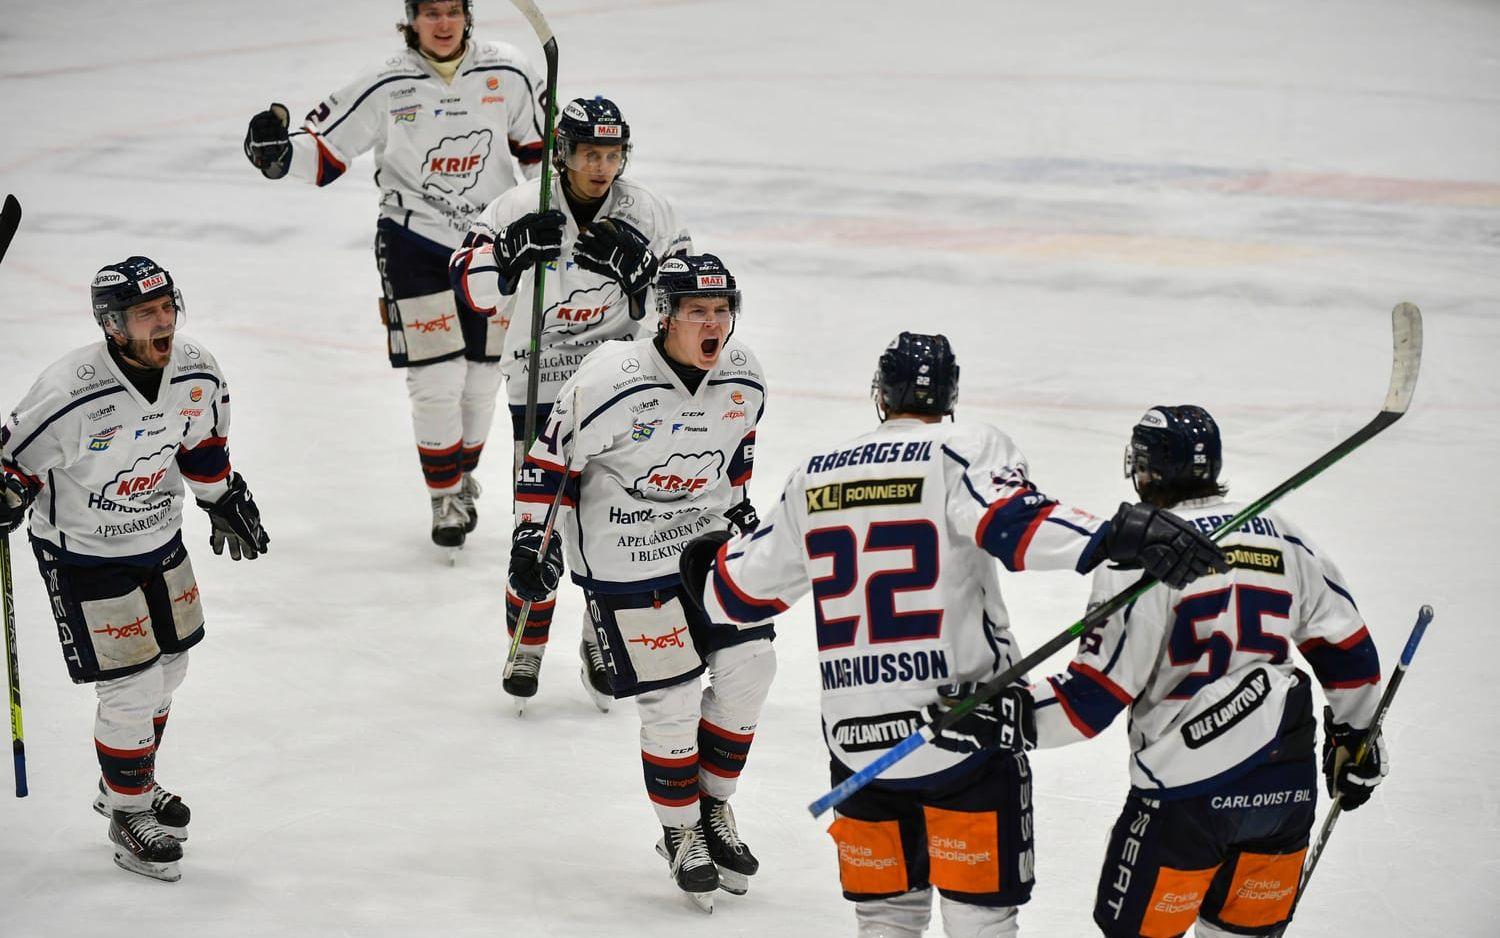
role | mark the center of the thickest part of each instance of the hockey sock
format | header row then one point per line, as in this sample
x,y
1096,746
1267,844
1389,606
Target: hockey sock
x,y
538,624
672,786
159,723
128,773
442,468
469,456
722,755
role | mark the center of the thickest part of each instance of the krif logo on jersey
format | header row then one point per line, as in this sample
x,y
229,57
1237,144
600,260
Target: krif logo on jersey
x,y
141,479
681,476
151,283
100,441
453,166
581,310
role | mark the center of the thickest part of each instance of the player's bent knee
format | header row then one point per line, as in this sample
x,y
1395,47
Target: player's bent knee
x,y
742,674
965,920
669,714
440,383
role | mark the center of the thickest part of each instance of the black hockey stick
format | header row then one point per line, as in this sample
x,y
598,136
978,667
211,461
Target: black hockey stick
x,y
10,220
549,102
1424,616
1406,326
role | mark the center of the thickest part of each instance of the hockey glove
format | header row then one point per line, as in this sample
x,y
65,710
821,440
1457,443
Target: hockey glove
x,y
527,240
1352,784
236,522
267,146
696,559
613,247
16,495
742,518
533,575
1006,721
1165,546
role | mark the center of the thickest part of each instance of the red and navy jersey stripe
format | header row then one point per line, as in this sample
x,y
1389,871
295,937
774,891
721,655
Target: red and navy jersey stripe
x,y
1089,698
462,265
1354,662
540,482
743,462
738,604
205,463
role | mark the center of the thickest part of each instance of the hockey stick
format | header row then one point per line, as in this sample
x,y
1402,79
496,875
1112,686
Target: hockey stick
x,y
1406,326
1424,616
10,220
547,530
549,101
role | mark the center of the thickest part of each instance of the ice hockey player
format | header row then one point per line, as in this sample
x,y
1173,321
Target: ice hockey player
x,y
895,532
445,118
100,446
650,443
602,244
1222,771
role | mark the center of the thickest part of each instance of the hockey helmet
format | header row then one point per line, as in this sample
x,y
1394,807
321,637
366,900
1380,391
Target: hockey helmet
x,y
917,374
119,286
685,275
1176,446
594,120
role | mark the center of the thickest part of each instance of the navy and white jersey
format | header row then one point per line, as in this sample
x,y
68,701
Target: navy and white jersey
x,y
110,465
652,466
895,533
581,309
442,151
1206,671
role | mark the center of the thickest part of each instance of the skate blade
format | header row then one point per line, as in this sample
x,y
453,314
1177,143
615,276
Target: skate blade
x,y
734,883
600,701
704,901
166,872
452,553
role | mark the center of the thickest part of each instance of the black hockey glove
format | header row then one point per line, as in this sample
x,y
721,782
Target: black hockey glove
x,y
1165,546
526,240
742,518
694,561
15,497
613,247
533,576
1353,784
267,145
236,522
1006,721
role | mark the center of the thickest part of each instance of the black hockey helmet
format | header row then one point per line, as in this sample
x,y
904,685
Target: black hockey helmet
x,y
127,283
413,7
917,374
590,120
684,275
1176,448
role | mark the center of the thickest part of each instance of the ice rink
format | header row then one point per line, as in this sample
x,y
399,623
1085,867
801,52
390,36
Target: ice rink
x,y
1106,206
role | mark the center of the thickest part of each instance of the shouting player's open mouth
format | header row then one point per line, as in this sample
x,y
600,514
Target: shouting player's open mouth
x,y
710,347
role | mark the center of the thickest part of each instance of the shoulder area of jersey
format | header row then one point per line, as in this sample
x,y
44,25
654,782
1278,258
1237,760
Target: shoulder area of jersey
x,y
738,361
406,62
632,198
188,354
496,51
618,364
975,439
79,370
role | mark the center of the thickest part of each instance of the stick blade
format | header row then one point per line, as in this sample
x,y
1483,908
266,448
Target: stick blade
x,y
10,220
1406,361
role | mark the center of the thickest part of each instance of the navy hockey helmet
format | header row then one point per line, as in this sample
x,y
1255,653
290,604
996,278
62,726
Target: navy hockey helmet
x,y
1175,446
413,7
119,286
684,275
917,374
594,120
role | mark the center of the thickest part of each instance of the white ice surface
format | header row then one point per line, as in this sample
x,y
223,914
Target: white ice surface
x,y
1105,205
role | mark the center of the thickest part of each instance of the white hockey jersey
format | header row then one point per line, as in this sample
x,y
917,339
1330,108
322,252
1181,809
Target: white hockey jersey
x,y
895,534
582,309
1206,670
442,151
109,464
652,466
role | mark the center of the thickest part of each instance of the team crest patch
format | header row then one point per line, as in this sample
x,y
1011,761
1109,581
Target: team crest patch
x,y
196,394
642,429
838,496
737,397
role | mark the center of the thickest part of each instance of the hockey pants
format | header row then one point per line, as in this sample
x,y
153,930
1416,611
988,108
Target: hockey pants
x,y
128,726
452,407
696,738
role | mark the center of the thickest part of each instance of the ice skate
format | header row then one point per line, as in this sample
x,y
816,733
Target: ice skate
x,y
525,674
735,861
143,846
686,854
449,523
171,812
468,494
592,673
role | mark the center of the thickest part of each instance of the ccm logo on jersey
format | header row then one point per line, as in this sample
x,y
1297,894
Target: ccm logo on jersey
x,y
681,476
840,495
882,731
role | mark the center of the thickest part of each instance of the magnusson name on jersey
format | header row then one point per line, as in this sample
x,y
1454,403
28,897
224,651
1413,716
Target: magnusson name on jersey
x,y
887,668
